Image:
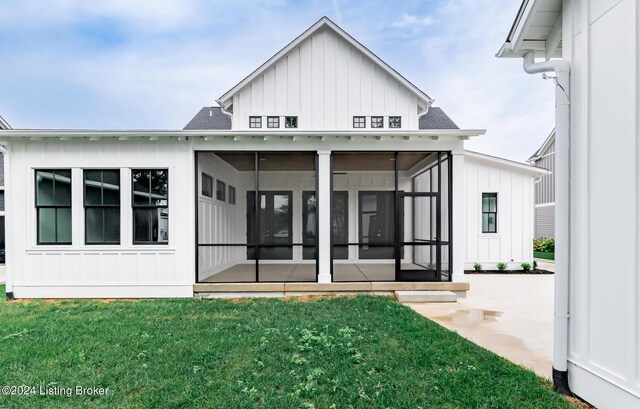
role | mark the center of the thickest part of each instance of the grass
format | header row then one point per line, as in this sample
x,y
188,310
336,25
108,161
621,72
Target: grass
x,y
345,352
545,255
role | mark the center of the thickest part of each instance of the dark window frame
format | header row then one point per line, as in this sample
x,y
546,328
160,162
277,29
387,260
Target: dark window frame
x,y
294,119
255,122
375,119
486,229
359,122
273,122
232,194
53,206
392,118
221,187
101,206
205,176
150,206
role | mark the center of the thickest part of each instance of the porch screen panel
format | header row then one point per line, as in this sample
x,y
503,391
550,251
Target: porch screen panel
x,y
223,240
286,232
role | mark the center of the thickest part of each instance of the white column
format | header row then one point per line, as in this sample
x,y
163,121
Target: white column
x,y
459,209
324,216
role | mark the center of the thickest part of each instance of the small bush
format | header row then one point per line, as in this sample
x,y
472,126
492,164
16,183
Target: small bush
x,y
526,267
545,245
478,267
502,266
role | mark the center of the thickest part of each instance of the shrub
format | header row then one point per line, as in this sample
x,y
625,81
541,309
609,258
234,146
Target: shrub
x,y
478,267
526,267
502,266
544,245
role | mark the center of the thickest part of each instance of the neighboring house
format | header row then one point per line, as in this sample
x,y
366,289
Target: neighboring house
x,y
324,169
545,194
597,176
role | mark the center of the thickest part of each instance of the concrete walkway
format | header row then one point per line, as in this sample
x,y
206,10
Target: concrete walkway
x,y
511,315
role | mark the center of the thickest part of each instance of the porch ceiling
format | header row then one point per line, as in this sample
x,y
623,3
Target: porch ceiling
x,y
305,161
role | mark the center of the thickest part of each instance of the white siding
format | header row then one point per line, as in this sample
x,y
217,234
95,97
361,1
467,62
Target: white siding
x,y
601,42
512,243
79,270
325,82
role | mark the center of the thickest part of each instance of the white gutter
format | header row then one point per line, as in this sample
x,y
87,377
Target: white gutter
x,y
85,133
563,200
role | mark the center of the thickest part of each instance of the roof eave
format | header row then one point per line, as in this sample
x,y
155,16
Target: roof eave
x,y
534,170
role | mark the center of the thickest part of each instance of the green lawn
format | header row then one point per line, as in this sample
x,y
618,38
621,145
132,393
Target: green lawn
x,y
361,352
544,255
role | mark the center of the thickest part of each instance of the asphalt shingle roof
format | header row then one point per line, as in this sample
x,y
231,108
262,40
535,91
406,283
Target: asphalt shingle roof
x,y
209,118
214,118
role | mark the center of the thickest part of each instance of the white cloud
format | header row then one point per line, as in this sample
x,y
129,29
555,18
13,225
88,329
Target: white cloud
x,y
413,21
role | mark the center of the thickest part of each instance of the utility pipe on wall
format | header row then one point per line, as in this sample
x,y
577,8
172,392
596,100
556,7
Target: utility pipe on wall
x,y
562,169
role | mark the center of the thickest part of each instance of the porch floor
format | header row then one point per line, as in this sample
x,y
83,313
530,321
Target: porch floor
x,y
347,272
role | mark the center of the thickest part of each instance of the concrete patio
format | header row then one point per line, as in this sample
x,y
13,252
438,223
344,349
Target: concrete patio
x,y
511,315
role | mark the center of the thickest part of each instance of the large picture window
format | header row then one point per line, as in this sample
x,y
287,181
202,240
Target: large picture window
x,y
53,206
150,202
102,206
489,212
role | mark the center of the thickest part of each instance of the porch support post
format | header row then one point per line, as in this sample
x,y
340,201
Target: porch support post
x,y
324,216
458,246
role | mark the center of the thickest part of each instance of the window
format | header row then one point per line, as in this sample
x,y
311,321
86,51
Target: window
x,y
359,122
377,122
102,206
150,202
232,195
394,122
221,189
53,206
290,121
255,122
207,185
273,122
489,212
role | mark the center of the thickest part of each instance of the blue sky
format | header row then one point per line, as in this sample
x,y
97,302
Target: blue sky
x,y
124,64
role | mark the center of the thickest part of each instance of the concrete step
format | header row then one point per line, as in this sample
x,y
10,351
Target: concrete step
x,y
426,296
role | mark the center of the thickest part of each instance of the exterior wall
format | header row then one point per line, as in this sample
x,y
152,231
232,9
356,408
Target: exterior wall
x,y
545,221
325,82
601,42
80,270
545,188
512,243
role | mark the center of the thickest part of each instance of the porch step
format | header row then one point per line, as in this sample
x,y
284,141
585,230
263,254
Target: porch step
x,y
426,296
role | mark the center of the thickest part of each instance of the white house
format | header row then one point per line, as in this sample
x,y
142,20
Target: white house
x,y
361,185
597,195
545,188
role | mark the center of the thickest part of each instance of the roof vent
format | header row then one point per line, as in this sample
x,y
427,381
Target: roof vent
x,y
210,112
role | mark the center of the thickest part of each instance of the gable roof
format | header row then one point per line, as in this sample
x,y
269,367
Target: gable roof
x,y
4,124
324,22
209,118
212,118
545,145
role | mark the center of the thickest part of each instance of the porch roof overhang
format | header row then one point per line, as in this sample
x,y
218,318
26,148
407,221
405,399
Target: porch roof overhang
x,y
211,135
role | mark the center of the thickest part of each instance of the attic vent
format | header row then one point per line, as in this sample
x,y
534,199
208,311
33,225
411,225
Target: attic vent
x,y
210,112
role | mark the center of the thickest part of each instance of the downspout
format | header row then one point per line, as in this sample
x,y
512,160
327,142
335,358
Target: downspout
x,y
8,225
562,170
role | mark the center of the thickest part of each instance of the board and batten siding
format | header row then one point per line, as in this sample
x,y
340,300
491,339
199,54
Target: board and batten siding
x,y
545,188
80,270
545,221
602,44
512,243
324,82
